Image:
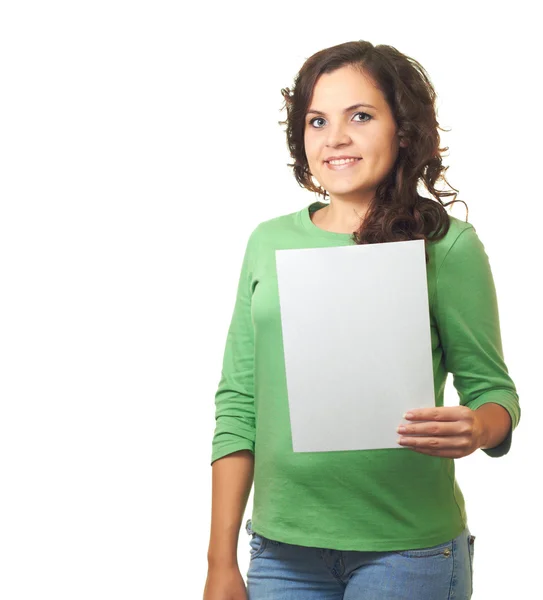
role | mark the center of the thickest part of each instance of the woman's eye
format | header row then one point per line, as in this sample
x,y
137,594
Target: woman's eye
x,y
356,114
315,119
366,114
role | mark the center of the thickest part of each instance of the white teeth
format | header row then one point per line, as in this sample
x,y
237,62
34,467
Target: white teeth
x,y
342,161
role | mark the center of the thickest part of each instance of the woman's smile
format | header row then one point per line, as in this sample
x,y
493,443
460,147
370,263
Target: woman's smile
x,y
343,164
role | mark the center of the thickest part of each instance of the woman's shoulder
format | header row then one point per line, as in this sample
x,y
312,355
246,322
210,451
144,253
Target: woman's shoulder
x,y
458,230
278,225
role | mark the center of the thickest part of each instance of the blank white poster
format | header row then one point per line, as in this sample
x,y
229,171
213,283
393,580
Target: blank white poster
x,y
357,346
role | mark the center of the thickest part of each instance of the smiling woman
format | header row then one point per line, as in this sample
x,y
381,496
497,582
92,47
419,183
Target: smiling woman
x,y
375,104
385,523
367,142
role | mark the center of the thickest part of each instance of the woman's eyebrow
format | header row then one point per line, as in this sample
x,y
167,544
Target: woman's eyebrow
x,y
349,108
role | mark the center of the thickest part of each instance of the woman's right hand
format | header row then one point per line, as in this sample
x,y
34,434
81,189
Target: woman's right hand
x,y
224,583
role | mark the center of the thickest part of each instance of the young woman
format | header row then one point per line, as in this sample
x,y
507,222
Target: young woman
x,y
385,524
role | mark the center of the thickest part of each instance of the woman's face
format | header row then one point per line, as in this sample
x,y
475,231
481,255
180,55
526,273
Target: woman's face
x,y
364,132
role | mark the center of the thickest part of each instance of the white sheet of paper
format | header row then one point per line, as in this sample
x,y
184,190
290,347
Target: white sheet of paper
x,y
356,335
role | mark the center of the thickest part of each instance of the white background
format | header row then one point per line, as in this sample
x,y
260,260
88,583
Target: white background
x,y
139,147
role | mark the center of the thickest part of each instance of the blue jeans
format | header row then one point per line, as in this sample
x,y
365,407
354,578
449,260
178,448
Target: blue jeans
x,y
282,571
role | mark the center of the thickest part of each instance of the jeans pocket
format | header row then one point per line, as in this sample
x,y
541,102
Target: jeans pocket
x,y
445,548
257,545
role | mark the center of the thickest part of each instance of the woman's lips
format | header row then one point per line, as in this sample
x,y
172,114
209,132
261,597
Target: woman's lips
x,y
346,165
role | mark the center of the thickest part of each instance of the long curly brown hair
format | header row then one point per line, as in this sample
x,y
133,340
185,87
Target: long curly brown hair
x,y
397,211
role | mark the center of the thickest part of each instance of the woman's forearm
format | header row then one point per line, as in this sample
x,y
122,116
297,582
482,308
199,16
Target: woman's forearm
x,y
496,423
232,478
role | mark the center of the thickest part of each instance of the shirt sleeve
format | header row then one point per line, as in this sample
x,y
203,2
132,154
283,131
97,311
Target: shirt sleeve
x,y
234,399
466,313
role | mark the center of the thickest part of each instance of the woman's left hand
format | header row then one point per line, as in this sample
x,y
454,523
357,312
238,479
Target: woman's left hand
x,y
450,431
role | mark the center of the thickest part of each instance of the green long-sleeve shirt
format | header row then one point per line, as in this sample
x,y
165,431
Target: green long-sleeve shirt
x,y
365,500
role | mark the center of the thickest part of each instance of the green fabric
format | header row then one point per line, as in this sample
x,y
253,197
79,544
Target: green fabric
x,y
365,500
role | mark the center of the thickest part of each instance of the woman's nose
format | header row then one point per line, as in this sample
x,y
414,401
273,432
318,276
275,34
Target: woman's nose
x,y
337,135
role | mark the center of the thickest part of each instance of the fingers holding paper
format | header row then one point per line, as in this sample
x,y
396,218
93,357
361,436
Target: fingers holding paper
x,y
449,431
